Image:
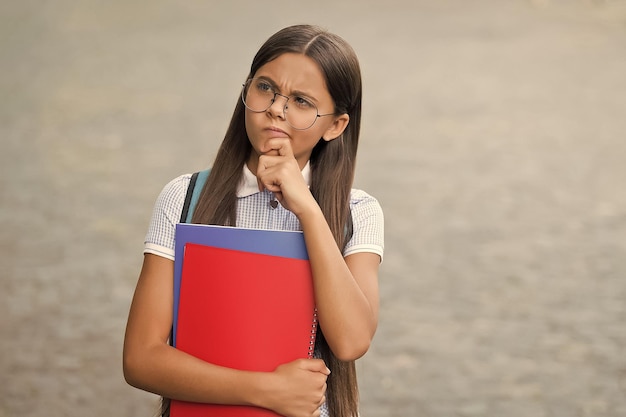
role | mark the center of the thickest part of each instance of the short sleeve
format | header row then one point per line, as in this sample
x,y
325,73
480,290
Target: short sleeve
x,y
368,225
165,215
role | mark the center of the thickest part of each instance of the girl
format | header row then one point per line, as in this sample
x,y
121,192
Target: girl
x,y
286,162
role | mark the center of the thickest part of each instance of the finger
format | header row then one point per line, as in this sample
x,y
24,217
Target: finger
x,y
265,162
268,181
316,365
281,146
263,165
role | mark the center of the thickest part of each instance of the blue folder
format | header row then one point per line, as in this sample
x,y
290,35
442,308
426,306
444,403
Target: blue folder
x,y
287,244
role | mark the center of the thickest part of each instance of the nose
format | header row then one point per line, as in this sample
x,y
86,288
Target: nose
x,y
278,107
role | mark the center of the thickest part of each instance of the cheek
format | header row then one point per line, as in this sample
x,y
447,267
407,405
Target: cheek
x,y
305,143
251,123
248,119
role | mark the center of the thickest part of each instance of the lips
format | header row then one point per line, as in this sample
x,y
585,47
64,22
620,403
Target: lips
x,y
275,132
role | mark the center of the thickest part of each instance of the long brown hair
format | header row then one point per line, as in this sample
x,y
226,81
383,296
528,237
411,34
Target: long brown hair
x,y
332,168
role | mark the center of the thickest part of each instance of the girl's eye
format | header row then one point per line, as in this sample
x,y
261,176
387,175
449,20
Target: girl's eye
x,y
264,87
302,102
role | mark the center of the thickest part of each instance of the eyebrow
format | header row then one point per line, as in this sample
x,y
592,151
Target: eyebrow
x,y
293,93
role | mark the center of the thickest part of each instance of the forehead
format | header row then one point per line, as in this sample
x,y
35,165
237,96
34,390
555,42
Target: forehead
x,y
295,72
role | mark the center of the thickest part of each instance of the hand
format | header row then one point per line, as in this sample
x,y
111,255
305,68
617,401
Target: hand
x,y
300,388
278,171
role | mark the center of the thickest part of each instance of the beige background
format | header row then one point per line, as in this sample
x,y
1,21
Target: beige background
x,y
493,136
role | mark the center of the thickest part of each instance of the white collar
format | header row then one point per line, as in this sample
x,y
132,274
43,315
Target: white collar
x,y
249,186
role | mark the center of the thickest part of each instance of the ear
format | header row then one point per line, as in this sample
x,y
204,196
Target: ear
x,y
336,128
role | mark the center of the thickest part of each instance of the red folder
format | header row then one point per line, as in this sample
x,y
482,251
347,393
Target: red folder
x,y
242,310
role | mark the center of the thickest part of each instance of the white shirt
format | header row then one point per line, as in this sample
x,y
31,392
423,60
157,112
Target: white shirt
x,y
254,211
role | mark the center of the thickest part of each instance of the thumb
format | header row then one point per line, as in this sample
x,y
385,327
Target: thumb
x,y
315,365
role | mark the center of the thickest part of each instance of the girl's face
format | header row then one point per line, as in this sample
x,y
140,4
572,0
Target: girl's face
x,y
293,74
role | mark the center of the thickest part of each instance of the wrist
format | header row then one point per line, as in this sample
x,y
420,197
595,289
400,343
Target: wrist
x,y
310,213
262,384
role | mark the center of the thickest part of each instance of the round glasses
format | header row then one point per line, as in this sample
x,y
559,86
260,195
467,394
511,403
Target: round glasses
x,y
259,94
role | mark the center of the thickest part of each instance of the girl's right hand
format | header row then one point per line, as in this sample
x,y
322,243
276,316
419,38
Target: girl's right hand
x,y
300,388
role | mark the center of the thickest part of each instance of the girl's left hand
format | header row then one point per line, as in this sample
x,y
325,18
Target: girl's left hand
x,y
278,171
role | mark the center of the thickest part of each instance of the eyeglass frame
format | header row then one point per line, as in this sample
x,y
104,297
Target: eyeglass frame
x,y
273,100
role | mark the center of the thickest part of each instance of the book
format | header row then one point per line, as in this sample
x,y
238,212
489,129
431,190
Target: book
x,y
244,301
288,244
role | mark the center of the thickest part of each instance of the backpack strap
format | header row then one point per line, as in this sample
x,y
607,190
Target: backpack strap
x,y
193,194
349,228
191,199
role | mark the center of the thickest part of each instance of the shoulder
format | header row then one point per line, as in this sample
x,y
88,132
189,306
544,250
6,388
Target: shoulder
x,y
357,196
166,213
368,224
360,201
176,187
171,199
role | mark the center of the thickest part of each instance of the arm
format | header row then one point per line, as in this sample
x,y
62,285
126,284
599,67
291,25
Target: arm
x,y
151,364
346,289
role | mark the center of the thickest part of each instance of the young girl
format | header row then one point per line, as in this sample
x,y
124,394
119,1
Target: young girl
x,y
286,162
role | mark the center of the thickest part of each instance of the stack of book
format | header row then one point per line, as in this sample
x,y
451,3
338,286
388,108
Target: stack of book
x,y
243,299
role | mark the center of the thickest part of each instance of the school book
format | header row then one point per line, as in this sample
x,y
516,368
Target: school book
x,y
242,305
288,244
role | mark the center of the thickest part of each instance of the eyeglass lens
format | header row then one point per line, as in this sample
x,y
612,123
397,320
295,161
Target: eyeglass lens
x,y
258,95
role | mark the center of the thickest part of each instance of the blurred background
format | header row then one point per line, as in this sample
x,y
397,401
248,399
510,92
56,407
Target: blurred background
x,y
493,136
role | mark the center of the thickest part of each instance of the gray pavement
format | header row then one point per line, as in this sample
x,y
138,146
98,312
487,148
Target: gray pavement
x,y
493,136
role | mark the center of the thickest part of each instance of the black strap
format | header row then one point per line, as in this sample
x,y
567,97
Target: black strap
x,y
183,219
349,227
192,184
